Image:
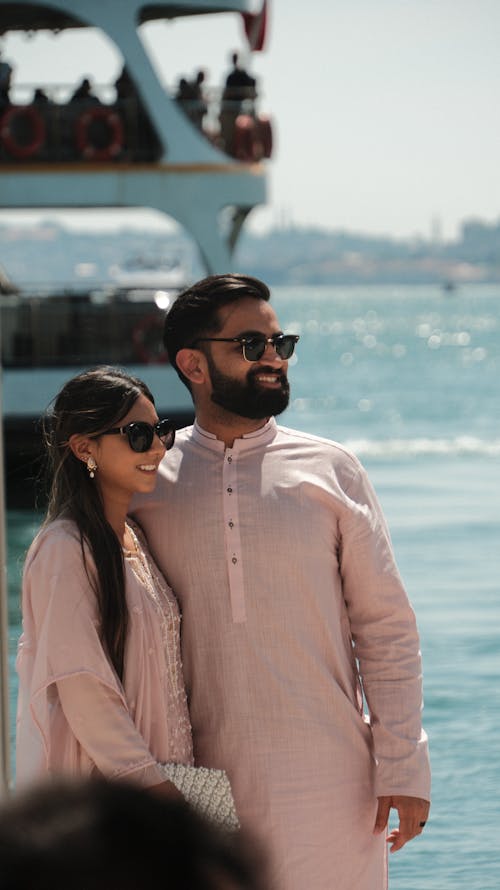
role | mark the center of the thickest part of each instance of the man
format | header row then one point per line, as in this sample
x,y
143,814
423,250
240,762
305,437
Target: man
x,y
292,605
237,98
5,81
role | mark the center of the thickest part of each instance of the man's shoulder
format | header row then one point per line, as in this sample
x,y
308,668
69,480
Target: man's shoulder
x,y
317,443
184,439
183,434
325,458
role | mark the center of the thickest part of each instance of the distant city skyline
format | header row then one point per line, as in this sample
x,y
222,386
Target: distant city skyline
x,y
385,113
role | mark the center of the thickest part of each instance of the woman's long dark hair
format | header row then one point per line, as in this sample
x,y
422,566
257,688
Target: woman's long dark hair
x,y
88,404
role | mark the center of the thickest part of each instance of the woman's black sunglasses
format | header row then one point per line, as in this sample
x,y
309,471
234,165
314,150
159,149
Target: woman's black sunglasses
x,y
140,434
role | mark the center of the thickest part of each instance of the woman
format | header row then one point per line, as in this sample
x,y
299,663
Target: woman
x,y
100,675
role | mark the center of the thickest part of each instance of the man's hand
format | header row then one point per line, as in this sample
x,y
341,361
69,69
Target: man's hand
x,y
412,811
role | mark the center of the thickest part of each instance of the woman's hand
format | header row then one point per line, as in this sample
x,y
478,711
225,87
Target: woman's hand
x,y
167,789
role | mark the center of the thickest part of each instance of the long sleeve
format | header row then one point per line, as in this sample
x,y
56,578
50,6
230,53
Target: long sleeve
x,y
60,639
386,645
74,714
105,730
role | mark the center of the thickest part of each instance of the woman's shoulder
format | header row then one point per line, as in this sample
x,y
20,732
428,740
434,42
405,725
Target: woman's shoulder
x,y
58,535
58,528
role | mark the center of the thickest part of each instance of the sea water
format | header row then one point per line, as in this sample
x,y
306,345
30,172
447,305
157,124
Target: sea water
x,y
409,378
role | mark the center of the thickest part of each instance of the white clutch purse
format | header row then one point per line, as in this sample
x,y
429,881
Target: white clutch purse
x,y
207,790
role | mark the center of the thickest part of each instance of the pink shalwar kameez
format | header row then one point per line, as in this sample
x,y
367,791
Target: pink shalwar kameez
x,y
281,560
75,717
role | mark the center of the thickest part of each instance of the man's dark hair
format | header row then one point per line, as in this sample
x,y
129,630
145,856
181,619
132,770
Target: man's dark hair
x,y
195,312
113,836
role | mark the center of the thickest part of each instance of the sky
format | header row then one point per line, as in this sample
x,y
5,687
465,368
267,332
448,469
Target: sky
x,y
386,113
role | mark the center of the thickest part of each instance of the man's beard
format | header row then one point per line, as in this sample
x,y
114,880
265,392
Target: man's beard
x,y
247,398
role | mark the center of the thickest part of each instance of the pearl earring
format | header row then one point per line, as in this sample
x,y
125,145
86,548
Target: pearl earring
x,y
91,466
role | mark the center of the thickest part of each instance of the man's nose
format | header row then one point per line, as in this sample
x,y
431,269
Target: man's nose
x,y
270,354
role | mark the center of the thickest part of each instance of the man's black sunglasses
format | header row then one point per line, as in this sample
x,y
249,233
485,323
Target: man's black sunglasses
x,y
254,345
140,434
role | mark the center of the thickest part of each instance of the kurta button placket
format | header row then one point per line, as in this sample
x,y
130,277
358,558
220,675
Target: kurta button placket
x,y
232,537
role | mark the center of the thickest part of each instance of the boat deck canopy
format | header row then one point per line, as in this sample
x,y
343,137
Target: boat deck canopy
x,y
32,17
35,17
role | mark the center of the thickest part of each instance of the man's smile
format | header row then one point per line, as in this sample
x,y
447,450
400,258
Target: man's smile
x,y
269,379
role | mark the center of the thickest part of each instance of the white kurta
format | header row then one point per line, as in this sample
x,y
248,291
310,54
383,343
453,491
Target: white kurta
x,y
281,560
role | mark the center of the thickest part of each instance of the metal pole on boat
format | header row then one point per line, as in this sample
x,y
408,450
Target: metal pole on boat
x,y
4,628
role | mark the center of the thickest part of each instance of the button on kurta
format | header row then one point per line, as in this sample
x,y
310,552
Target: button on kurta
x,y
232,537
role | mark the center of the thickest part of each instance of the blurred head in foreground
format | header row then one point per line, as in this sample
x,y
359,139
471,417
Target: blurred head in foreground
x,y
114,836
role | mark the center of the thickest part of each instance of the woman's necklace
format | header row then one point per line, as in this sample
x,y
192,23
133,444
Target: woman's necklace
x,y
140,565
134,551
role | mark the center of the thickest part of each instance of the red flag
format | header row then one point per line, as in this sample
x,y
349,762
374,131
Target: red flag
x,y
255,27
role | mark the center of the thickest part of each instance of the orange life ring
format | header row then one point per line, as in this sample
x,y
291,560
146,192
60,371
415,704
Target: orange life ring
x,y
84,144
140,339
265,135
36,124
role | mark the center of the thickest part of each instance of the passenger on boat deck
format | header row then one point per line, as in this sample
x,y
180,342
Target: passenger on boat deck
x,y
237,98
240,85
40,97
124,85
183,93
101,689
83,93
5,81
292,603
140,140
190,97
114,836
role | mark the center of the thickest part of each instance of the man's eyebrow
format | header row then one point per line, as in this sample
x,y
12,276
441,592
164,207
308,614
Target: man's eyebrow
x,y
258,334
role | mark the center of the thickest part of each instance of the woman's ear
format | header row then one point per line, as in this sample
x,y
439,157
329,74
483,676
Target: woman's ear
x,y
193,365
81,446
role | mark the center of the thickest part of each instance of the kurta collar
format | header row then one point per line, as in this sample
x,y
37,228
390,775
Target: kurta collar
x,y
255,439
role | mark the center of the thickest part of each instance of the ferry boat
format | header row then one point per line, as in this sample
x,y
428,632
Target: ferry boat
x,y
132,145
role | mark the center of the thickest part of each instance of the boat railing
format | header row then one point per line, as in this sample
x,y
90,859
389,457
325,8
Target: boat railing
x,y
80,328
49,125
